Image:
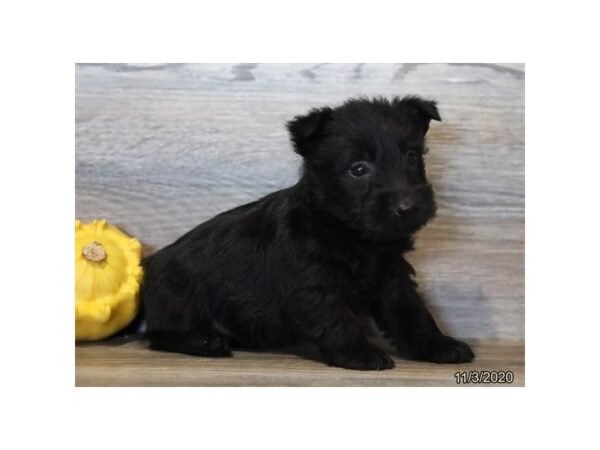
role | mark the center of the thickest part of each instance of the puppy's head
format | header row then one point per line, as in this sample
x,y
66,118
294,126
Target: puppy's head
x,y
363,163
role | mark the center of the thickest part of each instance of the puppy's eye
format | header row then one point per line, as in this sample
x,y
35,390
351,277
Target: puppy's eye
x,y
359,170
412,158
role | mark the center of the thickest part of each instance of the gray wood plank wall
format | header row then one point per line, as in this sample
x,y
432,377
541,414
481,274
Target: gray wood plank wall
x,y
161,148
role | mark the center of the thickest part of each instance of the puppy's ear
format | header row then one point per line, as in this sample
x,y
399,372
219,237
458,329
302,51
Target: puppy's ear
x,y
426,107
424,110
306,130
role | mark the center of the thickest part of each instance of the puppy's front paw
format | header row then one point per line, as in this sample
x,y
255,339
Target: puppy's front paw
x,y
443,349
366,357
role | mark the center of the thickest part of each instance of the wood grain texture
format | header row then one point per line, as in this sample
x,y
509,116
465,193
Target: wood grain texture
x,y
161,148
133,365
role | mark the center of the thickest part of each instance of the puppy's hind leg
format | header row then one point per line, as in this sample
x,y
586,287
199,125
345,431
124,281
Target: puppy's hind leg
x,y
176,315
209,342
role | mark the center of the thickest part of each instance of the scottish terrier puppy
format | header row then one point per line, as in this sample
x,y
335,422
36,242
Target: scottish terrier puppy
x,y
306,264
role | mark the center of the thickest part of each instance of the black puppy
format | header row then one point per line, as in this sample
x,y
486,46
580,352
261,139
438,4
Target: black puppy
x,y
303,265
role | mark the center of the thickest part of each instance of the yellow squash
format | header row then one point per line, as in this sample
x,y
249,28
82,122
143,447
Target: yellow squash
x,y
107,279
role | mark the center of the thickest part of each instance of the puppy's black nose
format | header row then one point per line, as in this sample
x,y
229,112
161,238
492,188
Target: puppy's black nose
x,y
404,205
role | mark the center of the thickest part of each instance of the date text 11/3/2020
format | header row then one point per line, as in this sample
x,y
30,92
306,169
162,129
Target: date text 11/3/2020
x,y
484,377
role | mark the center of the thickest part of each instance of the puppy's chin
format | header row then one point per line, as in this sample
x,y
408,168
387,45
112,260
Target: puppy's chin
x,y
390,232
397,227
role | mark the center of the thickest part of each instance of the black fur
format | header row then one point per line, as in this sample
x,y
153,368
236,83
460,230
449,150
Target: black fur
x,y
303,265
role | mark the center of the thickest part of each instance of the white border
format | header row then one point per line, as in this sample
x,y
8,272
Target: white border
x,y
41,42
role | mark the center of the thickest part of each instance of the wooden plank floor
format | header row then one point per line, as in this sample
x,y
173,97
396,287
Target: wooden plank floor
x,y
132,364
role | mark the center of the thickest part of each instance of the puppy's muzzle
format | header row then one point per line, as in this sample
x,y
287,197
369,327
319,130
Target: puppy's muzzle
x,y
406,204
